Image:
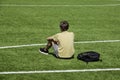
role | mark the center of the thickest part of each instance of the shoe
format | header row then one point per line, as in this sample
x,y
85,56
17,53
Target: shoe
x,y
43,51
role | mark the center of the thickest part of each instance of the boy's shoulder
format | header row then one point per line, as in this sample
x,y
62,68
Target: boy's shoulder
x,y
71,32
62,33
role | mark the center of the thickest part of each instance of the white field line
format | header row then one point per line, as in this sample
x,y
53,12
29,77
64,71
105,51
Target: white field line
x,y
60,71
35,5
18,46
80,42
103,41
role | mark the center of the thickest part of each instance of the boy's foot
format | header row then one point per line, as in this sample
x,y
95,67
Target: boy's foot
x,y
43,51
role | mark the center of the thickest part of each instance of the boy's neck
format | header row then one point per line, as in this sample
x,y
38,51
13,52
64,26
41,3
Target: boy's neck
x,y
63,31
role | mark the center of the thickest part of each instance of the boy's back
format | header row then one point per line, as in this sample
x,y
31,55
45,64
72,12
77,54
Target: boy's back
x,y
65,43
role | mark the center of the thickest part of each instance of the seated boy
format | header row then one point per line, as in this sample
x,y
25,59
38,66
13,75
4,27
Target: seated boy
x,y
63,43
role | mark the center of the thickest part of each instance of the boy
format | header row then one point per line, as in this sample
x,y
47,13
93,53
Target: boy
x,y
63,43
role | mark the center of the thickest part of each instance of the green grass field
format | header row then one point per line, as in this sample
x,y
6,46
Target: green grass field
x,y
22,25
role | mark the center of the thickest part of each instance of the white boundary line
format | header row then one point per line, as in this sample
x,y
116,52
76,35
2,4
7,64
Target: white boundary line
x,y
102,41
28,5
60,71
80,42
18,46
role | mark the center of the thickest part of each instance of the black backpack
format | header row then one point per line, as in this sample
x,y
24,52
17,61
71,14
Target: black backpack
x,y
89,56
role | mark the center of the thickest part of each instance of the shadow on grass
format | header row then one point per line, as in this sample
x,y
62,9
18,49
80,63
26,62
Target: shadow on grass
x,y
61,57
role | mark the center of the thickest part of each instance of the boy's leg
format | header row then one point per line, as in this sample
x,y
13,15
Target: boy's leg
x,y
46,48
49,45
55,47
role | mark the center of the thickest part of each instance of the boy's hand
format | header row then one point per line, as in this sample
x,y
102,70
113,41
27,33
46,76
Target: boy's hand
x,y
50,39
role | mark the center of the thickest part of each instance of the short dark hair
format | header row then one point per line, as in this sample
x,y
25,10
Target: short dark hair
x,y
64,25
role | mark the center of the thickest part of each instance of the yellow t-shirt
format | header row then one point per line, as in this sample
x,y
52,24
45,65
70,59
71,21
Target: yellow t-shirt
x,y
65,44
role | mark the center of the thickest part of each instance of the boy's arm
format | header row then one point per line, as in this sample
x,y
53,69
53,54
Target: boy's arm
x,y
52,38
